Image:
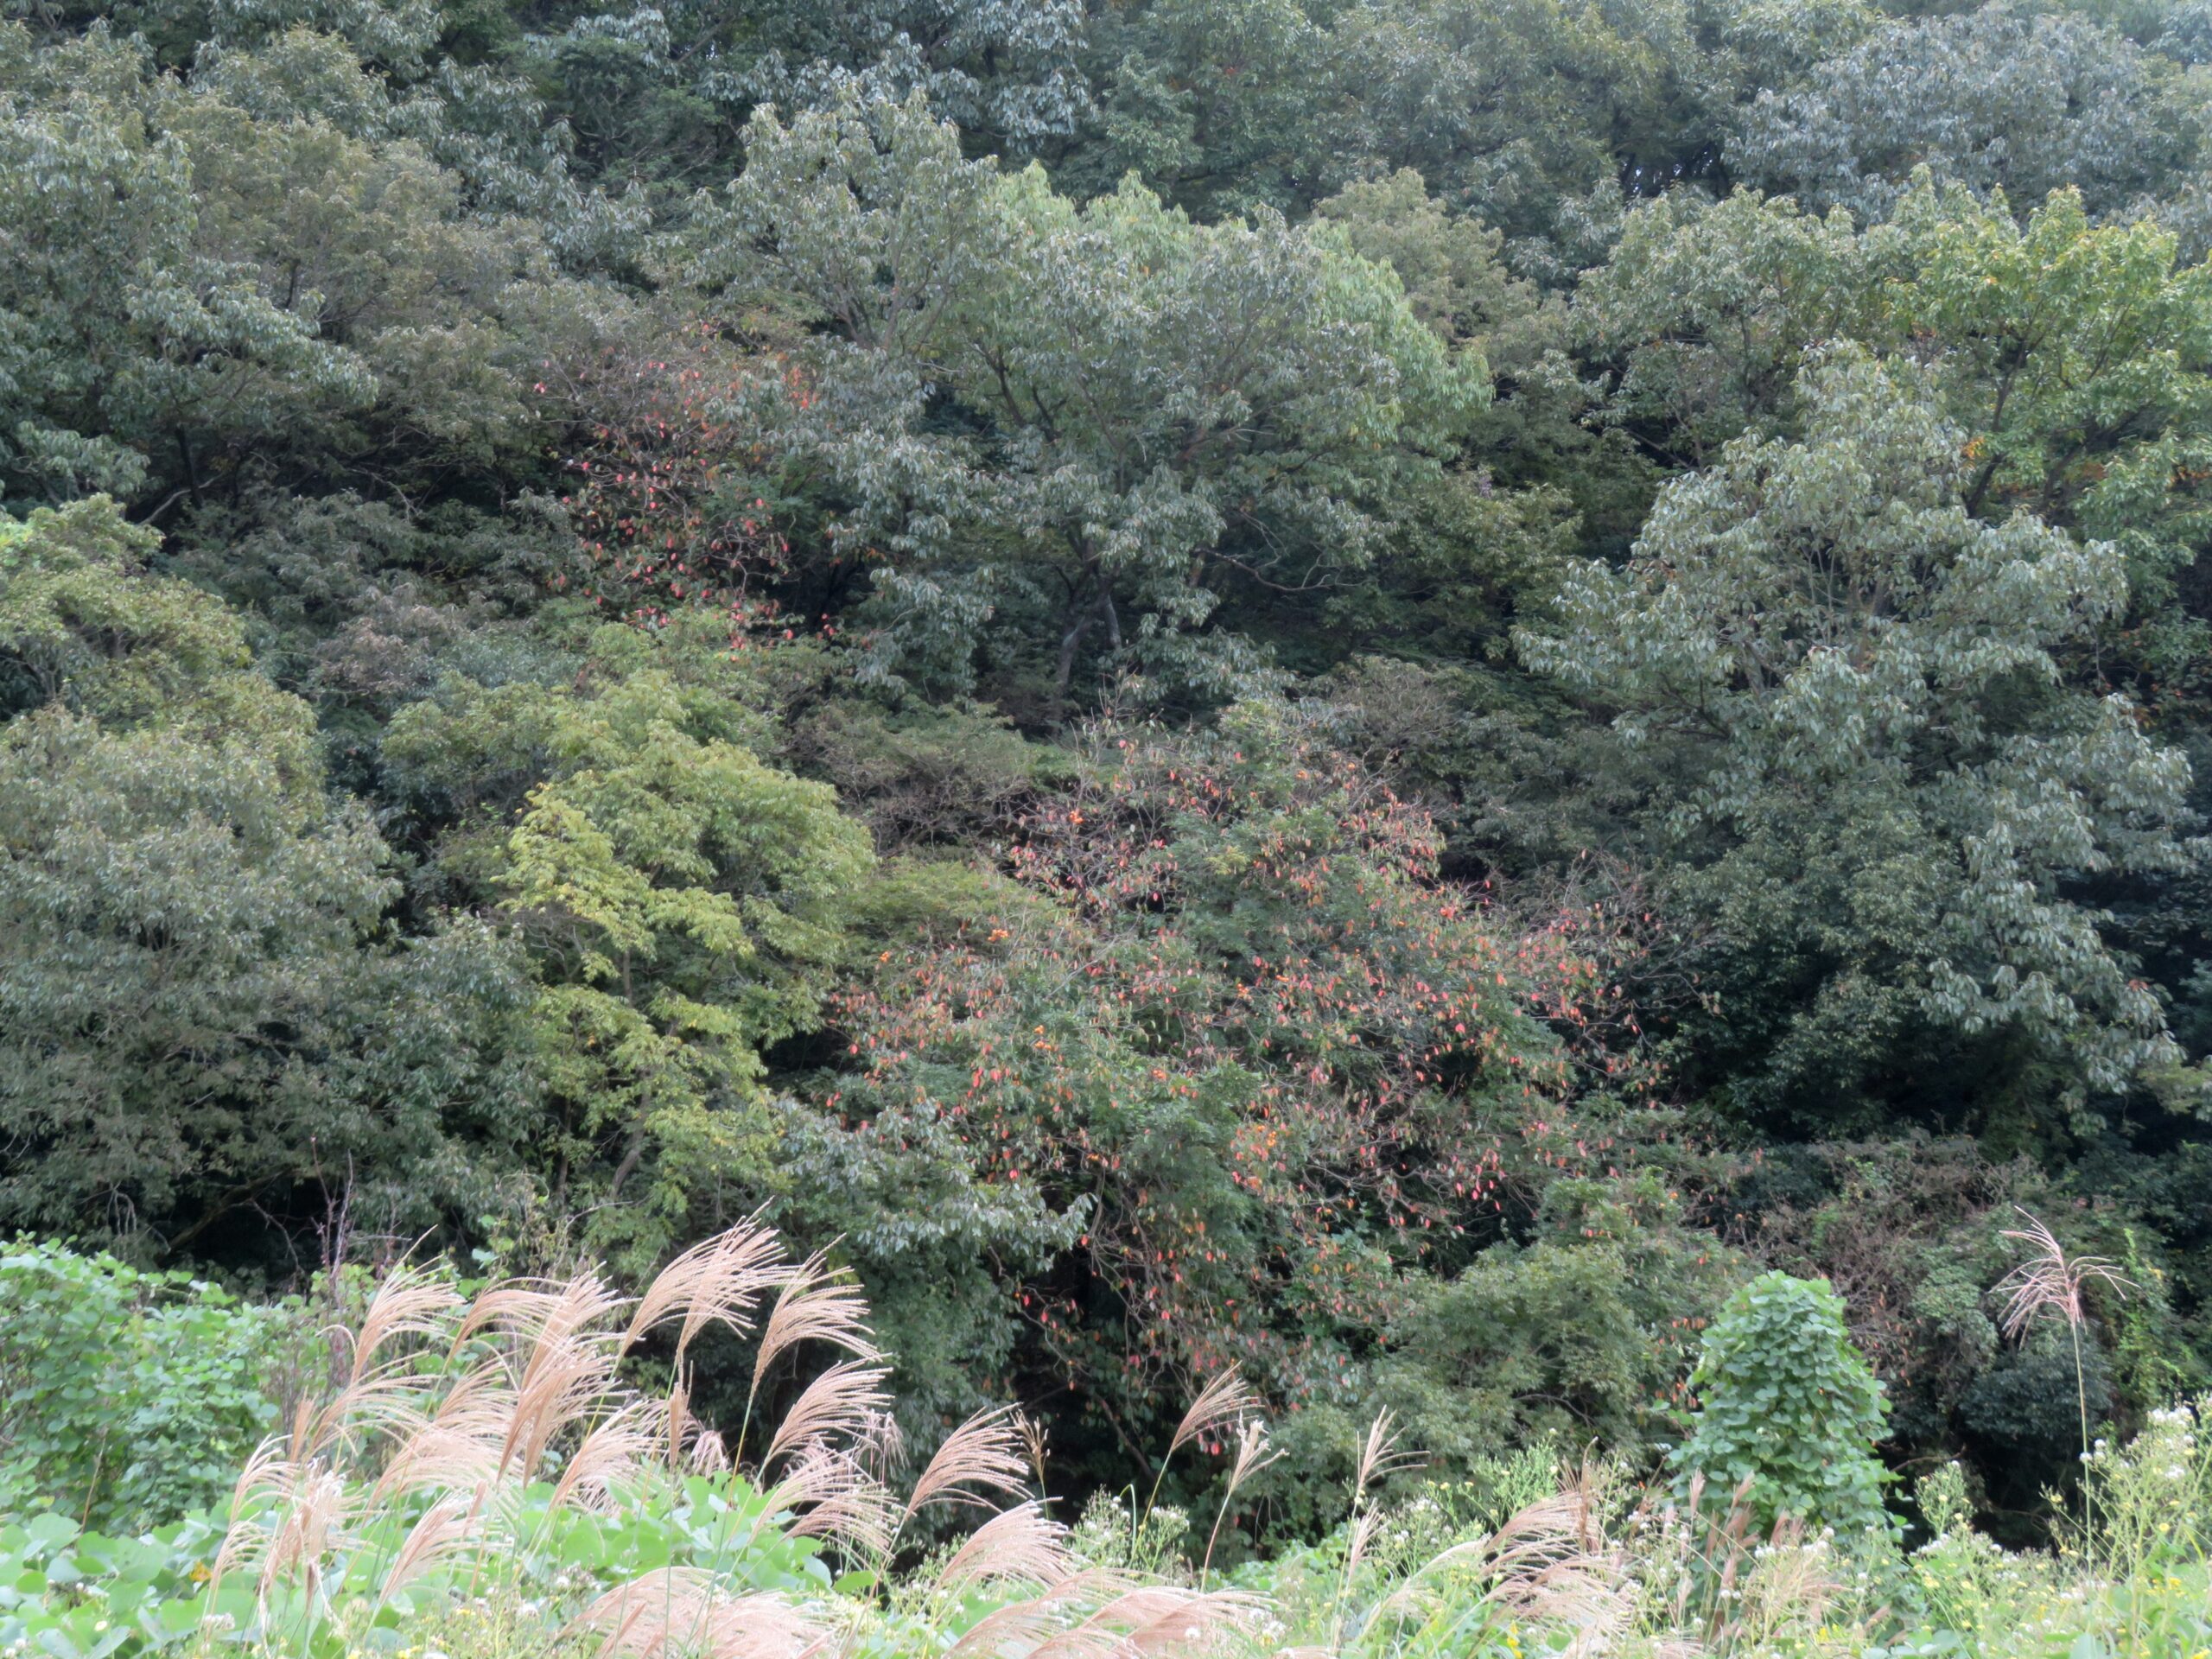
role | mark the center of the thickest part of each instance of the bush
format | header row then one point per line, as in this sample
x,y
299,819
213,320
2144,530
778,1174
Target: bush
x,y
1790,1412
127,1399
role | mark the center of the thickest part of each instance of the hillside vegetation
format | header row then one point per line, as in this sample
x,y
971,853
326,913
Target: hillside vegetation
x,y
1477,725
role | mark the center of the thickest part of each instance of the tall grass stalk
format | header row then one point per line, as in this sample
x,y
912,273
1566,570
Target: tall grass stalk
x,y
2051,1283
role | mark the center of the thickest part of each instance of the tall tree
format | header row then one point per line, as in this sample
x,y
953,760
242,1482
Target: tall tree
x,y
201,1017
680,901
1062,432
1886,789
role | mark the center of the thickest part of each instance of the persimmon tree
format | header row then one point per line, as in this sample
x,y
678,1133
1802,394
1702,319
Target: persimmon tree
x,y
1224,1056
662,489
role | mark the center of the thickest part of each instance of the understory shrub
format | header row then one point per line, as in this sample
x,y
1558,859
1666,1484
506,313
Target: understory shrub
x,y
128,1399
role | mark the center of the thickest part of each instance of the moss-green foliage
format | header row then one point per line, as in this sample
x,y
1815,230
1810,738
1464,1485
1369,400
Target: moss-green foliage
x,y
680,902
1580,1335
1788,1413
86,628
1856,675
1177,405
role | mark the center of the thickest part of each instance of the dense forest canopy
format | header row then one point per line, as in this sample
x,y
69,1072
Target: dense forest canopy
x,y
1386,691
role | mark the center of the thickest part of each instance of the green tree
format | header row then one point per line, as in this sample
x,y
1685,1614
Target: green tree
x,y
2079,357
83,626
124,332
680,900
2026,101
1709,308
1882,788
1150,411
1524,114
2072,355
201,1015
265,271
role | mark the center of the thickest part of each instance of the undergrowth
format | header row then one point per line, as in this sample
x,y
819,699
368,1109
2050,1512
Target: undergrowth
x,y
483,1483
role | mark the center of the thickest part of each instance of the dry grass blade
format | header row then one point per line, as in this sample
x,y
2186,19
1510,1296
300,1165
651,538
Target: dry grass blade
x,y
1364,1526
444,1531
1104,1632
703,1451
269,1473
576,1306
565,1378
381,1394
612,1454
1054,1610
691,1443
676,1609
662,1584
1223,1400
1379,1454
1549,1561
1022,1545
861,1520
1032,1443
983,1455
758,1627
1252,1456
881,1444
718,1280
1555,1564
864,1520
459,1444
840,1404
816,1304
438,1459
409,1302
519,1308
1252,1453
381,1404
1789,1587
838,1499
541,1311
567,1367
677,1417
1157,1619
1208,1620
2050,1280
640,1618
303,1529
